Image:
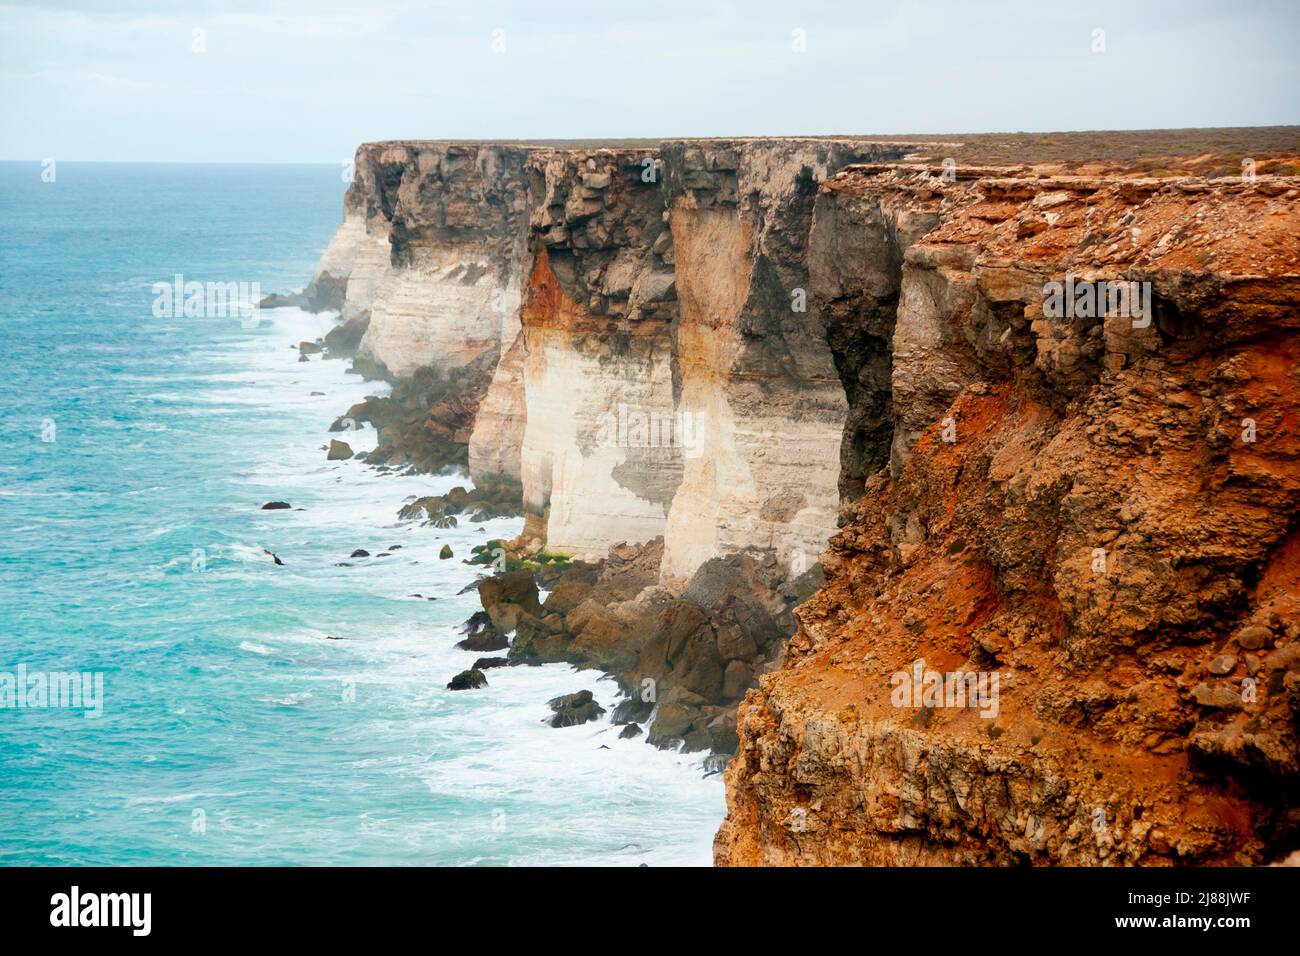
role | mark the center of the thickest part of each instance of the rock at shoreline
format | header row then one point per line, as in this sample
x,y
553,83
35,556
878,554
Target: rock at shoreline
x,y
672,723
630,731
276,506
279,300
342,340
445,553
700,651
471,679
573,709
486,501
483,635
506,597
486,663
632,710
426,421
308,348
339,451
324,293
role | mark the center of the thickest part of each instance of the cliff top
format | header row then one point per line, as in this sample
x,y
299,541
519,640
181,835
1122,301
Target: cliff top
x,y
1155,153
1227,226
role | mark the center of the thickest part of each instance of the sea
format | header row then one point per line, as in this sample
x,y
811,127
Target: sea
x,y
169,694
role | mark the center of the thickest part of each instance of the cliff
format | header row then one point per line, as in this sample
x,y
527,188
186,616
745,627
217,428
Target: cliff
x,y
1099,509
692,364
646,313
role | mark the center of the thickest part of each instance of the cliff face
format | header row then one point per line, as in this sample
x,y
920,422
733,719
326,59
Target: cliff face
x,y
754,364
668,342
661,370
597,350
1100,511
431,247
694,363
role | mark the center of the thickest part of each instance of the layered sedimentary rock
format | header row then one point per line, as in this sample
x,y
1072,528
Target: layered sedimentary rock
x,y
756,370
710,348
676,382
1097,508
456,216
596,342
431,247
661,369
358,254
495,444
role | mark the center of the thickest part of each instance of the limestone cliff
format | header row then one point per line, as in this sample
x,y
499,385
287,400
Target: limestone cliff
x,y
1098,508
661,371
694,363
597,319
453,218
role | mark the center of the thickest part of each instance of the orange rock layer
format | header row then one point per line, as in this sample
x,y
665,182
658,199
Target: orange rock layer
x,y
1100,511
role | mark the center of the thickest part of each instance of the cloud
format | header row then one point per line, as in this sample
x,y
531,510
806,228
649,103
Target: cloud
x,y
309,80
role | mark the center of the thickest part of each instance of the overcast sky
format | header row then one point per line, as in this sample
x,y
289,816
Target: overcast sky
x,y
286,81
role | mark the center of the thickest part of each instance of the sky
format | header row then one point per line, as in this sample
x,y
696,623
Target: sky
x,y
293,81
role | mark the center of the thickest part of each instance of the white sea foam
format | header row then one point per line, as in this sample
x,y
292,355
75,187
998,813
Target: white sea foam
x,y
543,795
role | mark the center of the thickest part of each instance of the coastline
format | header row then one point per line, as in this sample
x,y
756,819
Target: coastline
x,y
860,328
564,765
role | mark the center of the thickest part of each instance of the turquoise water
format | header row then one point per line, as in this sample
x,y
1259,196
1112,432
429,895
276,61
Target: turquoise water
x,y
137,451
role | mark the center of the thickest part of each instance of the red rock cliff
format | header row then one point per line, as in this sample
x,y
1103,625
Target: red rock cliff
x,y
1101,511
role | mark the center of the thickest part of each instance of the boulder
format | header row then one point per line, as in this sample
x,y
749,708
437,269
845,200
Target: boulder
x,y
671,724
1217,697
339,450
342,340
468,680
506,595
1254,638
486,663
736,679
276,506
482,634
630,731
633,710
573,709
445,553
723,737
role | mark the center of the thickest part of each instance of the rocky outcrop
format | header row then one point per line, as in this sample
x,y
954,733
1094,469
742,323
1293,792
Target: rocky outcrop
x,y
571,710
756,372
358,254
683,660
1095,508
714,354
430,248
667,341
597,340
650,332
